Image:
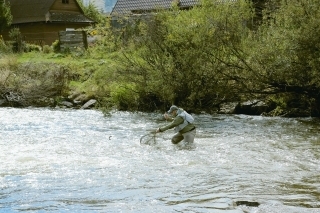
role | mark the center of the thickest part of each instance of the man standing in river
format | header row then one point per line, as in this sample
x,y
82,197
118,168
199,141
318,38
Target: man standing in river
x,y
182,122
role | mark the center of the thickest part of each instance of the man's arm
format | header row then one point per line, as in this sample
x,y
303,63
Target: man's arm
x,y
177,121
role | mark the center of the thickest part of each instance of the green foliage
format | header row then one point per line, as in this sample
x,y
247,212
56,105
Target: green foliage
x,y
56,46
15,34
105,40
32,80
5,15
5,48
17,42
92,12
179,55
123,95
201,57
47,49
284,53
206,55
288,42
32,48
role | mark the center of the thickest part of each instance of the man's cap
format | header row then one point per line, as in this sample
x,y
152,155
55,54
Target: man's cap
x,y
172,108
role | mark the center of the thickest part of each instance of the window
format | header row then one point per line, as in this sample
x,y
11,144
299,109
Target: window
x,y
65,1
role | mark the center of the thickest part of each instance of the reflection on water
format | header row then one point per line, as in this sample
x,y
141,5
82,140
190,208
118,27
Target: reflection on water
x,y
81,161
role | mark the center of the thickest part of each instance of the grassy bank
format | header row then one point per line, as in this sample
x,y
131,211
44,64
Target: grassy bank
x,y
53,75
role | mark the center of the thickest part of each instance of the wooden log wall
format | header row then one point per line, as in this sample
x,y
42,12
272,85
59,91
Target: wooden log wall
x,y
71,40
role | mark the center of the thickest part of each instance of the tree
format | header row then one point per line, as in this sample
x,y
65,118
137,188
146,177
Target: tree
x,y
188,57
5,15
284,53
92,12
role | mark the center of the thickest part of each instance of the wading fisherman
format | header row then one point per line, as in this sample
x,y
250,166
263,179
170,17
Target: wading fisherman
x,y
182,122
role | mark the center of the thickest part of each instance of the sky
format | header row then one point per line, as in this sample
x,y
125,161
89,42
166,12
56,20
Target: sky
x,y
104,5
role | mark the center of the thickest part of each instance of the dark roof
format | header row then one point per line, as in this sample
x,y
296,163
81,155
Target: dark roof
x,y
25,11
140,6
129,6
68,17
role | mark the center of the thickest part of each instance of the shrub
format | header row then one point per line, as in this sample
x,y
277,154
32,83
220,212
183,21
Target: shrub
x,y
47,49
56,46
32,48
124,96
4,47
17,43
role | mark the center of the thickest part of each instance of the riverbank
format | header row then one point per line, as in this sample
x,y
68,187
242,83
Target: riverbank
x,y
81,101
62,81
57,84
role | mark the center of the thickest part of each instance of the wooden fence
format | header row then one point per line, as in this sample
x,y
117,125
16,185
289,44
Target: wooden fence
x,y
71,40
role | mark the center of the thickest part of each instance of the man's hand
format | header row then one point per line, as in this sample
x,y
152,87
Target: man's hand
x,y
153,131
167,117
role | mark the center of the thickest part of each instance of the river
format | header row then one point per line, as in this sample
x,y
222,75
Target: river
x,y
62,160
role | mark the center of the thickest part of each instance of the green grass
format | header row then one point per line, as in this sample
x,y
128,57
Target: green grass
x,y
39,57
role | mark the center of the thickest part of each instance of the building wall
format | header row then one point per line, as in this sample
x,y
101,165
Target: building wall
x,y
43,33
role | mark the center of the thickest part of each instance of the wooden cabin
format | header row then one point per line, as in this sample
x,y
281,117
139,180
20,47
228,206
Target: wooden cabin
x,y
40,21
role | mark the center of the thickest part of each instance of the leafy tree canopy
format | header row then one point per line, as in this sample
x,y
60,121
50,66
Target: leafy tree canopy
x,y
5,15
92,11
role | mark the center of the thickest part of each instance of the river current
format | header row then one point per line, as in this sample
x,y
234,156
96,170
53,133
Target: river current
x,y
61,160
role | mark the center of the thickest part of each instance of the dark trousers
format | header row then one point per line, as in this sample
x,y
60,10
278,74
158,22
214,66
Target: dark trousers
x,y
187,137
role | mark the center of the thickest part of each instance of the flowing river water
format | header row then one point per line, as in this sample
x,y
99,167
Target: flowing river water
x,y
58,160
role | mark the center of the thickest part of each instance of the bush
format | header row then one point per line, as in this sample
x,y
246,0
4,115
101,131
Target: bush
x,y
187,57
32,48
123,96
56,46
4,47
47,49
17,43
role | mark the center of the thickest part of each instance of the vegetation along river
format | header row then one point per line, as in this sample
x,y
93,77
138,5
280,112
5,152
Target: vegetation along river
x,y
55,160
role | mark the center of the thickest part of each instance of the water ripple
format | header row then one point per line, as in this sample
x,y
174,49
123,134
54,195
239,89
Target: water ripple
x,y
81,161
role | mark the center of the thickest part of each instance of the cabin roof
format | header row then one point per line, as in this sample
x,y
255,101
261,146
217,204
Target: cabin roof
x,y
26,11
129,6
63,17
140,6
